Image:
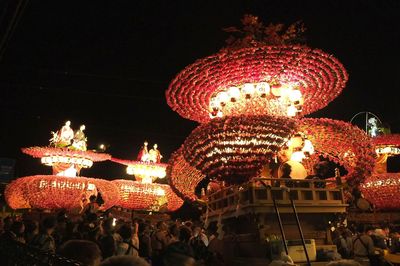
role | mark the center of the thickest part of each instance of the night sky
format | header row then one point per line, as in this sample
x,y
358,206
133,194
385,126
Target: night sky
x,y
107,64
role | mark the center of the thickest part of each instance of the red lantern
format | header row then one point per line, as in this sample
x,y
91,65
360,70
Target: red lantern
x,y
318,76
183,177
150,197
342,143
235,149
382,190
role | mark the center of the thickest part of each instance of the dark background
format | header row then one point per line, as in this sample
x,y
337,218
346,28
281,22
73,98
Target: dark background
x,y
107,64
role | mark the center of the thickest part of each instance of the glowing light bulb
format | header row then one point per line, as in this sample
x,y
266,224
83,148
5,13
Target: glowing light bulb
x,y
291,111
222,97
263,89
248,90
294,95
234,93
276,90
308,147
297,156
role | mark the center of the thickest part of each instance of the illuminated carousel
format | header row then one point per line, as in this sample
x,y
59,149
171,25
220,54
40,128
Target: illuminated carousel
x,y
250,99
65,188
143,194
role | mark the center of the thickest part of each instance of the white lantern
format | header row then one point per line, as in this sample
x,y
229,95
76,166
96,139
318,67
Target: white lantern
x,y
308,147
222,97
234,93
291,111
263,89
297,156
248,90
294,95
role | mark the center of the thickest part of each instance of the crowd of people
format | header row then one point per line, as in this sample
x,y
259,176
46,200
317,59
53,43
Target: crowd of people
x,y
367,244
100,239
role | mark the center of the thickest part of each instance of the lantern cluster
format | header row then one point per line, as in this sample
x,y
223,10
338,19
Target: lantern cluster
x,y
145,172
276,80
382,190
241,99
57,192
235,149
183,178
342,143
387,144
149,197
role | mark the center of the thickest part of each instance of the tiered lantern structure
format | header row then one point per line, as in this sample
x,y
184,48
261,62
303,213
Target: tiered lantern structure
x,y
250,98
64,189
382,189
143,194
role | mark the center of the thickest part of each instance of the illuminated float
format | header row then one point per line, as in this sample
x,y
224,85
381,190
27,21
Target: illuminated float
x,y
64,189
250,99
143,194
382,189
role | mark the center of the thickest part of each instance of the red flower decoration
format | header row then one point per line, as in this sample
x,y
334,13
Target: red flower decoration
x,y
58,192
341,143
387,140
183,178
235,149
39,152
383,190
138,196
319,76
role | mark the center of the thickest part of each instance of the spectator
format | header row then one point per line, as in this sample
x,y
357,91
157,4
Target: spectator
x,y
130,242
363,246
144,240
106,241
83,251
160,239
31,230
44,240
14,233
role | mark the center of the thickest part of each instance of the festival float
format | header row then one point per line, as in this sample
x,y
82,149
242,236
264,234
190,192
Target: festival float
x,y
65,188
254,145
143,194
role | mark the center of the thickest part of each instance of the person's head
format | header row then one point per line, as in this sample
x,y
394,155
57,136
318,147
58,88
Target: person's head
x,y
82,128
196,230
161,225
31,227
185,233
124,261
360,228
125,231
92,198
174,230
107,225
83,251
49,224
17,228
68,123
178,254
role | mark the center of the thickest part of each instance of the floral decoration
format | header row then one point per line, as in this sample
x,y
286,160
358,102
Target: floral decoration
x,y
183,178
235,149
389,139
40,152
319,76
343,144
151,197
58,192
382,190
